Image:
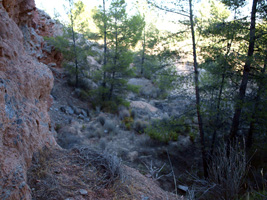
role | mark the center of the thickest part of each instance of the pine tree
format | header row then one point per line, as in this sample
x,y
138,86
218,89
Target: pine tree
x,y
72,44
120,32
246,72
178,8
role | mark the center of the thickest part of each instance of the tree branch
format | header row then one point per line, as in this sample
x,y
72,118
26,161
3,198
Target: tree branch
x,y
166,9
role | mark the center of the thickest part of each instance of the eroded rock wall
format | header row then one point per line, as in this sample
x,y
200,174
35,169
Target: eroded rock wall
x,y
25,86
45,26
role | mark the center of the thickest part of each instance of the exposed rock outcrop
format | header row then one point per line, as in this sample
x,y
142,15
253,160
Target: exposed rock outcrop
x,y
144,106
45,26
25,86
20,11
35,24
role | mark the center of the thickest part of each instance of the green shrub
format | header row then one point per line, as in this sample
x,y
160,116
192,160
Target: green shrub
x,y
83,127
83,95
255,195
167,129
161,134
128,121
192,136
108,105
140,126
123,114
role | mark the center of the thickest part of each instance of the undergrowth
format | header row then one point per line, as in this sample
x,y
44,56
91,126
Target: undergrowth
x,y
168,129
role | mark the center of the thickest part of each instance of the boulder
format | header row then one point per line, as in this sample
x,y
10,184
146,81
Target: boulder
x,y
87,84
93,63
143,106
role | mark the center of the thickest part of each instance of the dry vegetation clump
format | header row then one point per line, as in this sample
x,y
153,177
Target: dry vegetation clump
x,y
102,127
140,126
102,120
123,113
110,126
68,140
134,114
126,117
61,174
102,144
227,171
98,133
107,166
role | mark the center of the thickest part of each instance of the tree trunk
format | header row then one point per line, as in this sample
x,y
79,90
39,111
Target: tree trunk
x,y
245,78
74,46
256,108
200,123
105,52
115,61
143,53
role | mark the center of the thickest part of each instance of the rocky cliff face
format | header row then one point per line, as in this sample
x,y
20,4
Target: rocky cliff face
x,y
25,86
45,26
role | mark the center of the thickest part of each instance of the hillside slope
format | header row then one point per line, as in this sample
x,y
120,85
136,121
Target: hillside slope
x,y
25,127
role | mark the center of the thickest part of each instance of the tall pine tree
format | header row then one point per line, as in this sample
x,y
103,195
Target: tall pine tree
x,y
120,33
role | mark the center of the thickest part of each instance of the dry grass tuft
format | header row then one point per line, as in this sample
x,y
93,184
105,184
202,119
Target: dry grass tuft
x,y
60,174
227,170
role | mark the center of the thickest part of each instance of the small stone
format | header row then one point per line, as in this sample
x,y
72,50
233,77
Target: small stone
x,y
84,113
77,111
57,171
182,187
69,110
63,109
80,116
87,119
144,197
52,65
83,192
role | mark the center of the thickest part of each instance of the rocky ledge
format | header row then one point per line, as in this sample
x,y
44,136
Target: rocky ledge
x,y
25,86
